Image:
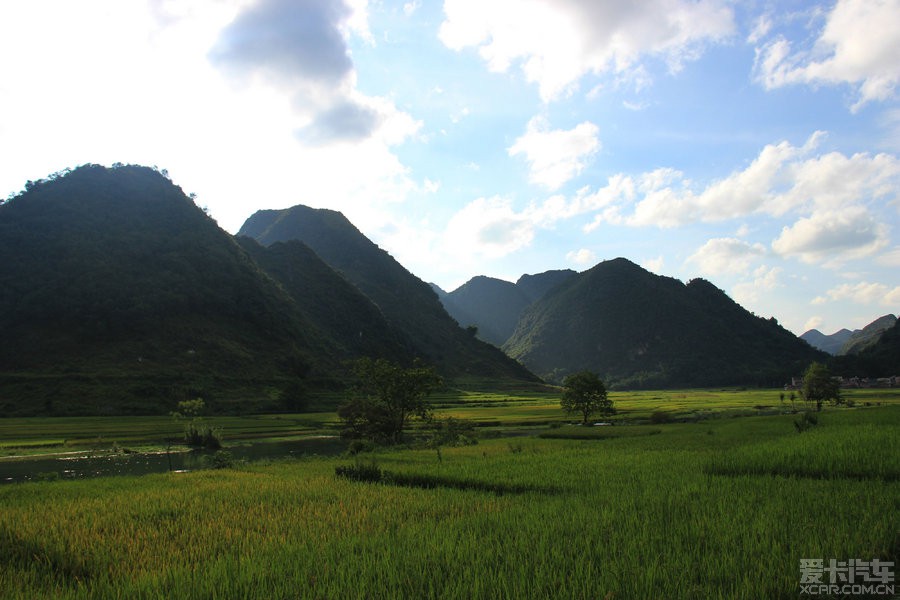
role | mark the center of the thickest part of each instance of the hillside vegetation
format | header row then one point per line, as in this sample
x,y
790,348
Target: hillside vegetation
x,y
642,330
407,302
119,295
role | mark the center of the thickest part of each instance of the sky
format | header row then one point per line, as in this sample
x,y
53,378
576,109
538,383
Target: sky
x,y
755,144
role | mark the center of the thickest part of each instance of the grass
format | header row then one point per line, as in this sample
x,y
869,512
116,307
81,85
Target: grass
x,y
719,508
42,435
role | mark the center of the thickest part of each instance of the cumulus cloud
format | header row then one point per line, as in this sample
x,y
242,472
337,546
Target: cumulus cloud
x,y
555,155
833,236
556,42
287,41
858,45
301,48
862,293
720,256
765,280
654,265
489,228
582,257
813,322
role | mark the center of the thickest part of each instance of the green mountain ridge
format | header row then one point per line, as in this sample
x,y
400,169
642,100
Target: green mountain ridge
x,y
407,302
119,295
637,329
492,305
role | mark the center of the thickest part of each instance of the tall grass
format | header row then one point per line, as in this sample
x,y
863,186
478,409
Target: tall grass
x,y
635,516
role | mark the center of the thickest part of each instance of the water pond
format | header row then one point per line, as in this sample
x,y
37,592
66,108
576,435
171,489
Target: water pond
x,y
88,464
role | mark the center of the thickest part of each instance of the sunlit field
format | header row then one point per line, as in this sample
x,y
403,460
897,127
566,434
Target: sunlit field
x,y
712,507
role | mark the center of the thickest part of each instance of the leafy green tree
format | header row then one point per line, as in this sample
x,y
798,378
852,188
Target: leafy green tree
x,y
198,433
385,397
819,386
584,393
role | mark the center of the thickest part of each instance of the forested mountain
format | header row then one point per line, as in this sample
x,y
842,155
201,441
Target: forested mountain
x,y
536,286
117,286
637,329
492,305
831,344
408,303
850,342
119,295
879,359
868,336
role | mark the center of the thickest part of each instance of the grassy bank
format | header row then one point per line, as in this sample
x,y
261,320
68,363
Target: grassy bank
x,y
721,508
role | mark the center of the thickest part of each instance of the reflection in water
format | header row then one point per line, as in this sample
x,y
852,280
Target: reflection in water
x,y
77,467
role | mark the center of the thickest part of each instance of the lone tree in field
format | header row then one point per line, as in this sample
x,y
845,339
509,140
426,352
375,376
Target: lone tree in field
x,y
386,396
584,393
819,386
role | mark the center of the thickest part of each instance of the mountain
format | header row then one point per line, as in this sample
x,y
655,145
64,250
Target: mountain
x,y
831,344
408,303
637,329
868,335
878,359
119,295
536,286
492,305
355,325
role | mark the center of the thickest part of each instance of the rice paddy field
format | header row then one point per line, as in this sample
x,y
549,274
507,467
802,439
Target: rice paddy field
x,y
707,506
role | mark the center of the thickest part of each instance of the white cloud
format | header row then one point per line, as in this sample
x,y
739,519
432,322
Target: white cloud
x,y
813,322
654,265
859,45
556,42
829,193
581,257
862,293
833,236
720,256
891,258
764,281
488,228
555,156
301,49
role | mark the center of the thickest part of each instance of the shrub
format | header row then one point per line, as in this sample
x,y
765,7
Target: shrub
x,y
658,417
807,420
222,459
366,472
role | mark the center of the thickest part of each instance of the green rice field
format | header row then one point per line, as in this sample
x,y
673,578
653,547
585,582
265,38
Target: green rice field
x,y
722,502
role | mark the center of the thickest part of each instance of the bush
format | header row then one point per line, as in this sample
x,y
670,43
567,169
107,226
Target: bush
x,y
202,436
659,417
366,472
358,446
222,459
807,420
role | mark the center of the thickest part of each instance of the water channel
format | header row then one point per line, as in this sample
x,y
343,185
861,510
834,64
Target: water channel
x,y
89,464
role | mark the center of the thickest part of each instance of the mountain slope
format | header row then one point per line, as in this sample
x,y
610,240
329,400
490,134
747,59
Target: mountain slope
x,y
407,302
493,305
637,329
868,335
831,344
536,286
329,301
119,295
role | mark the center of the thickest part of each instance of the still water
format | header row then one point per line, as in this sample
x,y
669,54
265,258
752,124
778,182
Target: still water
x,y
84,465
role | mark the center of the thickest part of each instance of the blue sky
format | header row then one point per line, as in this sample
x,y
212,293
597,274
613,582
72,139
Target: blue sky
x,y
754,144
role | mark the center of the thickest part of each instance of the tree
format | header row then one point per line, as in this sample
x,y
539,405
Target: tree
x,y
584,393
819,386
386,396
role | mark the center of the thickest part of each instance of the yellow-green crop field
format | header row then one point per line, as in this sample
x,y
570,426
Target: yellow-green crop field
x,y
705,508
